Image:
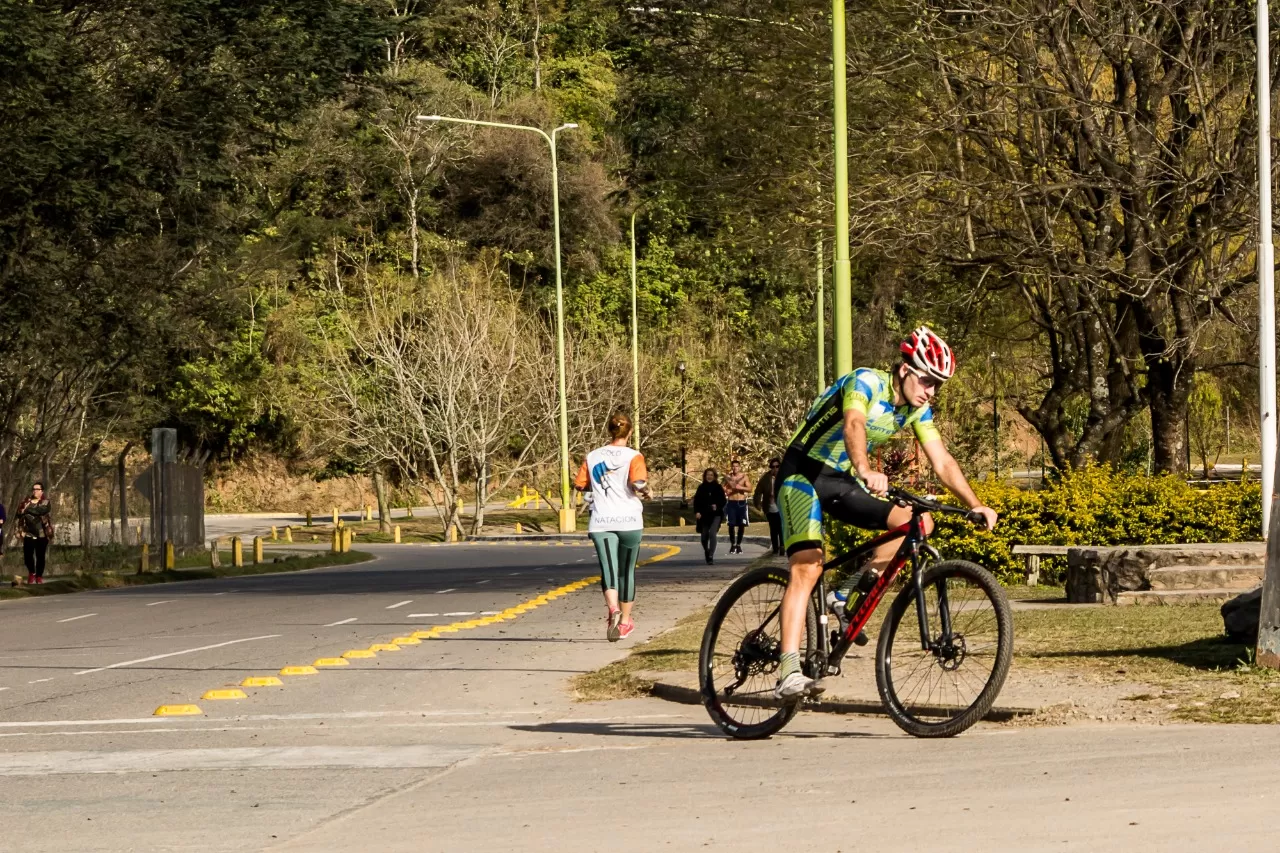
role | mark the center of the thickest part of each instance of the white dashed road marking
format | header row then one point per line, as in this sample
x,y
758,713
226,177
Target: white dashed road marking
x,y
74,618
400,604
166,601
175,654
340,622
462,613
422,615
443,591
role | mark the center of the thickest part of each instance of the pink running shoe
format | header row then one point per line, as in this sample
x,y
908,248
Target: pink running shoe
x,y
625,629
611,632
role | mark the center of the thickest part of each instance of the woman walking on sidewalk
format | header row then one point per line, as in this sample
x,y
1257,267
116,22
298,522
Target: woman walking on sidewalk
x,y
708,511
616,478
36,529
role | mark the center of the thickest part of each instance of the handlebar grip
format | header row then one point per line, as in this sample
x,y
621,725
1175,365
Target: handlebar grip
x,y
976,518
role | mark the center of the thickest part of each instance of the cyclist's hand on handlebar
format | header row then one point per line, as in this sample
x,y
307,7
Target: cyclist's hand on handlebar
x,y
877,483
984,514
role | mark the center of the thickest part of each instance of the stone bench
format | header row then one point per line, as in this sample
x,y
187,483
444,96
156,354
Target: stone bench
x,y
1031,555
1163,574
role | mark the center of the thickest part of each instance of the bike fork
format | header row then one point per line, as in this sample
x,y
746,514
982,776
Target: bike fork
x,y
922,611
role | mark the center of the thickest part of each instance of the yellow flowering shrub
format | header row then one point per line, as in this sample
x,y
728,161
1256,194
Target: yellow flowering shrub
x,y
1092,506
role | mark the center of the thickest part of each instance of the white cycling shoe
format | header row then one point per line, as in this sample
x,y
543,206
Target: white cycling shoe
x,y
797,685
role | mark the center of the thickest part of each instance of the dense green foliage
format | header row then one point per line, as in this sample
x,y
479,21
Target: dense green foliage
x,y
198,194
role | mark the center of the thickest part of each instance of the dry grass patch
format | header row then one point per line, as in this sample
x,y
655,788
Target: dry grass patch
x,y
675,650
1196,673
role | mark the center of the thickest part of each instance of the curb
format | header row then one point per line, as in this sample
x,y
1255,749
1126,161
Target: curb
x,y
689,696
761,541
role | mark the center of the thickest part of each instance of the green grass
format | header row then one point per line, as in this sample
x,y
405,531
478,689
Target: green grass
x,y
64,584
1180,651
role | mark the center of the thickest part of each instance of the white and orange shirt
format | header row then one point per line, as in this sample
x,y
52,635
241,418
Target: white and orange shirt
x,y
609,473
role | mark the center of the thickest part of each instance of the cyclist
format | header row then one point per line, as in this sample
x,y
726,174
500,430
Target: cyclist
x,y
826,470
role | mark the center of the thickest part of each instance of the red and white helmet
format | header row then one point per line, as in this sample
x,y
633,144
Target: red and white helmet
x,y
929,354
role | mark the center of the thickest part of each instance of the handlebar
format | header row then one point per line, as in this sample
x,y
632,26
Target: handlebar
x,y
904,498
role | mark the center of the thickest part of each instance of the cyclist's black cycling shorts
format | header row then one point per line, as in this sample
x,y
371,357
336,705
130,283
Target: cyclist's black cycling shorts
x,y
807,490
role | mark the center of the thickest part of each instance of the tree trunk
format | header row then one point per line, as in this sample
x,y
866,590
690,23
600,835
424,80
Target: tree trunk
x,y
86,497
482,488
1168,395
124,492
380,490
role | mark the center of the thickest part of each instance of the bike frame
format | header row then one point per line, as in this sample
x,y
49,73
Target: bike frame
x,y
916,549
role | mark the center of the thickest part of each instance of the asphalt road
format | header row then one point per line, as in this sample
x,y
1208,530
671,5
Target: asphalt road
x,y
471,742
85,766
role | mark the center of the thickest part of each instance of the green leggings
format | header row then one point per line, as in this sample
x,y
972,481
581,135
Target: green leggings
x,y
618,552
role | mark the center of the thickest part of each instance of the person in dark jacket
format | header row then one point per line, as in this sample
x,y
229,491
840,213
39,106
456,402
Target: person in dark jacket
x,y
708,511
35,526
766,501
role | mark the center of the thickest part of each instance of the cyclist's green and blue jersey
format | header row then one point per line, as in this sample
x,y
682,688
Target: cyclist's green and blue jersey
x,y
819,444
870,391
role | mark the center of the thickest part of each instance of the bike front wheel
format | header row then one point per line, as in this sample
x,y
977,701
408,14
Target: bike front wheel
x,y
740,656
939,677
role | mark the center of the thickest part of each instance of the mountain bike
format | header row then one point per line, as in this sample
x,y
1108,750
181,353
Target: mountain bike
x,y
934,682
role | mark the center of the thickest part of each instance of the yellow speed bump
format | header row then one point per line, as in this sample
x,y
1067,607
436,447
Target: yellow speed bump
x,y
232,693
426,635
332,662
359,653
177,711
384,647
406,641
299,670
447,629
261,681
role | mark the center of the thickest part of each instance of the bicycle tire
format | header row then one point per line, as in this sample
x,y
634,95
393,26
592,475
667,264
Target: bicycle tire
x,y
732,716
910,716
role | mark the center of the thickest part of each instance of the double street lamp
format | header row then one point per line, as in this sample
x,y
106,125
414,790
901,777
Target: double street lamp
x,y
566,508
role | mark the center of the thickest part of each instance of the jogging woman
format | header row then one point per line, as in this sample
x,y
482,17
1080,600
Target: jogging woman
x,y
616,477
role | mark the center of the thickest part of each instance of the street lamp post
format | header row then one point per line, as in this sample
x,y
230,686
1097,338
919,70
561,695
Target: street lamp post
x,y
684,442
842,297
995,417
821,332
567,521
635,347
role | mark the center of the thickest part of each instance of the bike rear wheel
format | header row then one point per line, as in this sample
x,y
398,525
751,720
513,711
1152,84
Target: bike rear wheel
x,y
740,656
944,689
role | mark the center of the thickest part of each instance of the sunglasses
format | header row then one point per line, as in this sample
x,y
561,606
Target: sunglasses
x,y
925,379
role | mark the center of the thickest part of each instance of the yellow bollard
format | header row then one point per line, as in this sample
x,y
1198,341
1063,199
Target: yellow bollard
x,y
257,550
168,556
453,533
519,527
288,534
682,521
336,546
346,539
308,518
410,512
237,552
273,533
144,562
335,515
138,537
341,524
397,532
368,512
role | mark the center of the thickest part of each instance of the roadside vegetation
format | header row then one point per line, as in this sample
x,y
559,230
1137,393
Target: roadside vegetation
x,y
188,568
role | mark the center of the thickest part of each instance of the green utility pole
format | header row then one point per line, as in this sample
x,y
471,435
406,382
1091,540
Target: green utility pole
x,y
842,309
635,349
567,518
821,332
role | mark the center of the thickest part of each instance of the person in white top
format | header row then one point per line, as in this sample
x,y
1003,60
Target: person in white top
x,y
616,477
